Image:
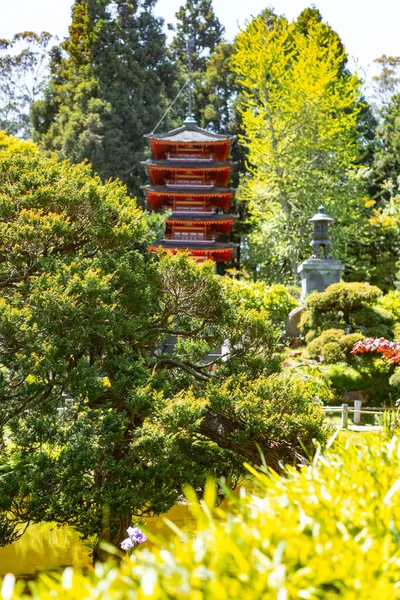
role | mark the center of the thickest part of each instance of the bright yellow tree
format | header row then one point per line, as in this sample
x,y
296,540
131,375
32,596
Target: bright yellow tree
x,y
300,113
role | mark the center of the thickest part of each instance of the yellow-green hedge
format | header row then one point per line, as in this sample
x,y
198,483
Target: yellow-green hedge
x,y
329,531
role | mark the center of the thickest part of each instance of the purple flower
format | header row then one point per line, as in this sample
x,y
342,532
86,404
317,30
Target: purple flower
x,y
136,536
127,544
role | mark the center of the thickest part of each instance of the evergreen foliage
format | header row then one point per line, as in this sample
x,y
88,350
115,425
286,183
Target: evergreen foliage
x,y
350,307
197,22
109,82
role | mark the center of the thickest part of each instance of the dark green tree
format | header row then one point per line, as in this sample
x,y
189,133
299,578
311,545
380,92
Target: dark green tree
x,y
97,425
197,22
109,83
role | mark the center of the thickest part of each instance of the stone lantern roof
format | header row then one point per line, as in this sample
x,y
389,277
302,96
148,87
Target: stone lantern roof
x,y
321,216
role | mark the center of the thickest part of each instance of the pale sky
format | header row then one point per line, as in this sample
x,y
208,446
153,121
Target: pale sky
x,y
368,28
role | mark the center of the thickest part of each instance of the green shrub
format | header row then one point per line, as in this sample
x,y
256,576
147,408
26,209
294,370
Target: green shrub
x,y
396,332
369,374
371,316
391,303
395,379
315,347
345,297
335,320
344,378
326,531
347,342
380,331
347,306
333,345
333,353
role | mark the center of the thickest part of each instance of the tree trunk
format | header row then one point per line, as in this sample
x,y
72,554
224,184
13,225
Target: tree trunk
x,y
222,430
113,531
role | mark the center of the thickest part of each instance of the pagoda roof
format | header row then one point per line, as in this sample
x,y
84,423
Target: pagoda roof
x,y
213,217
187,164
187,244
188,191
189,132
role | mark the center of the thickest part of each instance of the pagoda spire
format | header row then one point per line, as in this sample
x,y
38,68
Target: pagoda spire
x,y
189,49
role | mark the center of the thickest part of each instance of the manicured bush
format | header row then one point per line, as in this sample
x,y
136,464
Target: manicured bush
x,y
347,342
334,346
315,347
347,306
327,531
333,353
338,318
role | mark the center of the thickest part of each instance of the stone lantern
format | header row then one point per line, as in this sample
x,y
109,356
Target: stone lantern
x,y
317,273
320,235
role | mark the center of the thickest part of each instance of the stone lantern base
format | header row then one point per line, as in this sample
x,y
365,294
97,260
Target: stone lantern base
x,y
317,274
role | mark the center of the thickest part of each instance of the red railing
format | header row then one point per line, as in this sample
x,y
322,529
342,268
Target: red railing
x,y
195,157
188,183
189,237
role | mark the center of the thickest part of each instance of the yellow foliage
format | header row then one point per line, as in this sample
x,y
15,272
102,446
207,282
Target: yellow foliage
x,y
330,530
13,145
295,95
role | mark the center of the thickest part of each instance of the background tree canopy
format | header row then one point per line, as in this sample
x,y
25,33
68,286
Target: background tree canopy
x,y
108,87
23,76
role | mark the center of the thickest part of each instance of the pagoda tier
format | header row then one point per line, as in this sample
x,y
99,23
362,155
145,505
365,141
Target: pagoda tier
x,y
199,228
190,142
195,199
217,252
189,175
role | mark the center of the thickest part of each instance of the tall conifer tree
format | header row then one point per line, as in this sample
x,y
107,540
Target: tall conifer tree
x,y
197,21
110,78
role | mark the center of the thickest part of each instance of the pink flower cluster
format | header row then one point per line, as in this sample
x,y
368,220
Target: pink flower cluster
x,y
390,350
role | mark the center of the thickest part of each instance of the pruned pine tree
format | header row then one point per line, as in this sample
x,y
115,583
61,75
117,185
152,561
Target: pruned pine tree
x,y
97,425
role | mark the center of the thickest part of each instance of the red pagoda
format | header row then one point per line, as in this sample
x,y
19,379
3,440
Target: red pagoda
x,y
189,174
